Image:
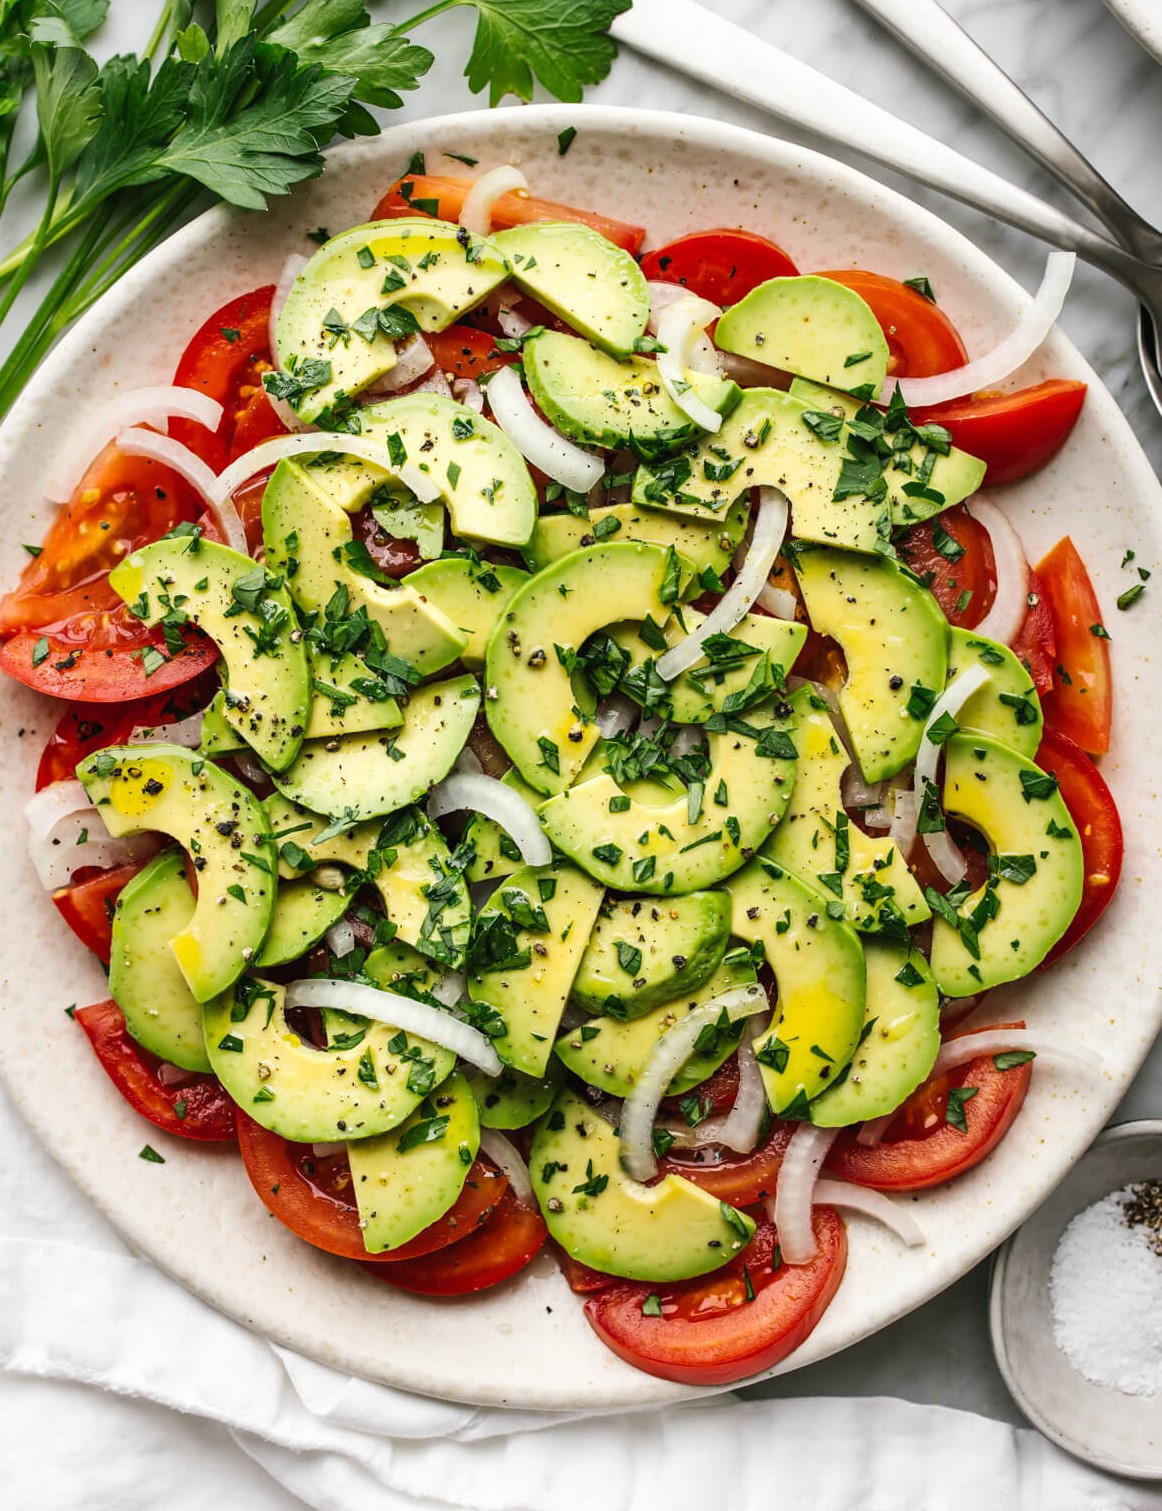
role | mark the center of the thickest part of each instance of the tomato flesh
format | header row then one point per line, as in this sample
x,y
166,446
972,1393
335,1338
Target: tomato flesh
x,y
722,266
501,1248
87,906
462,351
965,587
922,340
1035,643
1014,434
1080,703
740,1179
1099,828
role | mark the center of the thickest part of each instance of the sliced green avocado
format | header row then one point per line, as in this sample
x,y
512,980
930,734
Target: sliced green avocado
x,y
747,665
1007,706
348,697
937,479
819,969
144,979
530,700
303,912
810,326
611,1055
308,540
705,544
514,1100
528,941
473,595
404,1180
1036,866
591,284
368,1079
597,400
337,331
365,775
667,1231
249,616
223,827
642,952
649,839
481,475
899,1042
895,641
496,854
818,842
766,442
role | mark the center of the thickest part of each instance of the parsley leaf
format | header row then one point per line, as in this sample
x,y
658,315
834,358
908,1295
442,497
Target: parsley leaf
x,y
563,46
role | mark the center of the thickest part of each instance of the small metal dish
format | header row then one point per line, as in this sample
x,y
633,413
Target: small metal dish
x,y
1116,1432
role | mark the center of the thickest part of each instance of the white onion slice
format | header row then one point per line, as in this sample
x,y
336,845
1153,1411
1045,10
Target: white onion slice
x,y
186,732
902,828
368,448
505,1156
872,1132
484,794
1033,325
512,323
249,767
616,716
857,793
842,1193
769,531
996,1041
877,818
434,382
1007,614
790,1207
679,326
947,857
704,357
412,361
468,763
666,1059
155,405
777,601
741,1127
323,1151
449,988
65,833
565,463
431,1023
662,295
341,938
476,211
468,392
162,448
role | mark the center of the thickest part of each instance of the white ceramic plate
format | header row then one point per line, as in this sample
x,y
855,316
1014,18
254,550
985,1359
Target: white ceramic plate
x,y
1143,20
528,1344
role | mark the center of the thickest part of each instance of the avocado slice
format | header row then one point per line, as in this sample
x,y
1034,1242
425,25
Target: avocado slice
x,y
221,824
821,977
336,331
597,400
531,703
308,540
527,944
705,544
642,952
1011,923
495,852
303,912
591,284
765,442
810,326
954,475
361,776
611,1055
369,1078
747,671
675,839
894,639
1007,706
667,1231
144,979
406,1179
512,1099
899,1042
249,616
473,595
817,841
481,475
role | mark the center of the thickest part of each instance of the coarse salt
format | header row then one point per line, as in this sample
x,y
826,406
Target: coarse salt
x,y
1106,1291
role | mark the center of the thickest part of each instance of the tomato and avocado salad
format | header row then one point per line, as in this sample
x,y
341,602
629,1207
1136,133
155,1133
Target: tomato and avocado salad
x,y
548,744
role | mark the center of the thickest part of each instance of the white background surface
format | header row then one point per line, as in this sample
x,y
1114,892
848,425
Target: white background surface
x,y
1106,93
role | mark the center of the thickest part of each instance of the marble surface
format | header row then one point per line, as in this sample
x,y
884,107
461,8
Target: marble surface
x,y
1105,92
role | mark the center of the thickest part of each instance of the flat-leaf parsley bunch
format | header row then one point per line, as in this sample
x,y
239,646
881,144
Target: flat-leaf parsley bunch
x,y
237,103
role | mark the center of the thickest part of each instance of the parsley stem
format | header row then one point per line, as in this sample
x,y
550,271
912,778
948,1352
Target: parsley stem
x,y
426,15
38,245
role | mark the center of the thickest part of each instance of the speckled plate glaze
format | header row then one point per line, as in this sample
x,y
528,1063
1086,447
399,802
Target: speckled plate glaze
x,y
528,1344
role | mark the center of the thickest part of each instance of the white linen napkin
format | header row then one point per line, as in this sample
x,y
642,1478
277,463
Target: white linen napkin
x,y
195,1404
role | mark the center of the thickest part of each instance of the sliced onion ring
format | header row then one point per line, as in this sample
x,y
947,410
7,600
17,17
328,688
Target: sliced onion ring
x,y
616,715
413,360
367,448
186,732
790,1207
431,1023
565,463
484,794
769,530
842,1193
951,863
468,392
476,211
171,453
680,325
449,988
1033,325
998,1041
902,826
666,1059
741,1128
505,1156
777,601
341,938
871,1133
1006,616
65,833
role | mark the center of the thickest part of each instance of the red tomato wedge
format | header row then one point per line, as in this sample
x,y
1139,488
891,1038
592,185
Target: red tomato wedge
x,y
462,351
922,340
195,1107
722,266
501,1248
740,1179
226,359
1081,701
87,906
1099,828
931,1150
1013,433
965,587
311,1195
1035,643
420,194
709,1332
